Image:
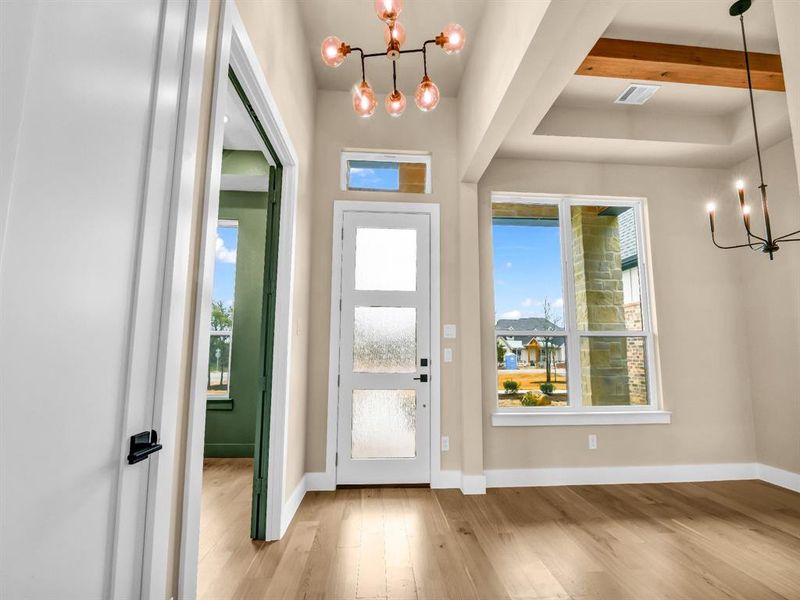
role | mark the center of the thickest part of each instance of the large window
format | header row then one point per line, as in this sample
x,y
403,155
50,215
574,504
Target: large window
x,y
572,326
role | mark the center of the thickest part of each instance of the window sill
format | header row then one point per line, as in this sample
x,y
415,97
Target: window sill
x,y
547,419
219,403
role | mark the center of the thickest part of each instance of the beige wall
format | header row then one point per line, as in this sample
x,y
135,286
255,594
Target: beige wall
x,y
771,298
337,127
276,31
491,68
704,371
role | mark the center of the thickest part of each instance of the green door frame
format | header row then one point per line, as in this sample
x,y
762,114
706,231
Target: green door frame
x,y
258,516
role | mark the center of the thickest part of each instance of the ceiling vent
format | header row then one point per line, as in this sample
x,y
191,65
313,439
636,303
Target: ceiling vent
x,y
637,93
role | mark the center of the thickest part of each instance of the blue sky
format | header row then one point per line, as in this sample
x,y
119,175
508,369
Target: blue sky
x,y
225,264
375,179
527,269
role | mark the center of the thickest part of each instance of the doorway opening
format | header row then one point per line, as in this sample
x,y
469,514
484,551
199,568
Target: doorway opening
x,y
241,338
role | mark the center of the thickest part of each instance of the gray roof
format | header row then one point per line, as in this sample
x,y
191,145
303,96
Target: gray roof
x,y
526,324
521,341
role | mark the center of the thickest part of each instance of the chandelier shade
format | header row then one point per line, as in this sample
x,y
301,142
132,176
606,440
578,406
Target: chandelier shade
x,y
451,40
427,95
331,51
395,103
364,101
388,10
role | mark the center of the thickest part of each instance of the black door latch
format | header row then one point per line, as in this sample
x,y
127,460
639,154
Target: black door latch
x,y
423,378
143,445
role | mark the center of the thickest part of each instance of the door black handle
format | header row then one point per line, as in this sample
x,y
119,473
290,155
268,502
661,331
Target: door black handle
x,y
143,445
423,378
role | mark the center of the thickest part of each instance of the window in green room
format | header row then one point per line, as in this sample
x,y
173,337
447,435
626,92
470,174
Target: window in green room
x,y
221,340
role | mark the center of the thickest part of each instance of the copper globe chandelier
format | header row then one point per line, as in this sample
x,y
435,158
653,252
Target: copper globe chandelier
x,y
768,244
426,97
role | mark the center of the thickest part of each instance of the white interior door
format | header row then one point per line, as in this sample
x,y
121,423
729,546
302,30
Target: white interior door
x,y
384,358
95,118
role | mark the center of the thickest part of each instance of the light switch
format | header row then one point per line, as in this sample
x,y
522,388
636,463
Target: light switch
x,y
450,331
448,355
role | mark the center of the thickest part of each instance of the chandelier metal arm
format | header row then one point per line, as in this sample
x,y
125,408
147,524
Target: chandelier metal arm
x,y
753,235
363,56
752,102
750,245
783,238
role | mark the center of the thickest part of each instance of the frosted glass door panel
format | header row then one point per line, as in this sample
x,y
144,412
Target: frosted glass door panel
x,y
384,424
386,259
384,339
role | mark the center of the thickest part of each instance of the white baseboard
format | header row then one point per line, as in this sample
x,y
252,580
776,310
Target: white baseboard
x,y
320,481
446,480
779,477
292,504
473,484
619,475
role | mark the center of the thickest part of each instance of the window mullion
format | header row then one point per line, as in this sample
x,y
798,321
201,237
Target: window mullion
x,y
568,287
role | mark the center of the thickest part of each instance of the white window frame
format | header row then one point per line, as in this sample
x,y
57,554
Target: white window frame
x,y
575,413
389,157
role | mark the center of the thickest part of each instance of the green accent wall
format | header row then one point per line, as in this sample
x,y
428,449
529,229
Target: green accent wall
x,y
244,162
231,425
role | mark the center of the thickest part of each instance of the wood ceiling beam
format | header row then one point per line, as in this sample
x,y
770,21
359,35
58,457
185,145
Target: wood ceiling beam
x,y
627,59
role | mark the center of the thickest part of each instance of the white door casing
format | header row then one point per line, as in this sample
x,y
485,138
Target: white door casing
x,y
384,404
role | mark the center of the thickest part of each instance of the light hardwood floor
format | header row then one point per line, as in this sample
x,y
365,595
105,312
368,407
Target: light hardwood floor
x,y
686,541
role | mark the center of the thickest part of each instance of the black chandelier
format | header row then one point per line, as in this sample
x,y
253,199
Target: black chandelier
x,y
766,244
334,51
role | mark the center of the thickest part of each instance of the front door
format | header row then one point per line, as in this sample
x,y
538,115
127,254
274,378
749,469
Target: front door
x,y
384,357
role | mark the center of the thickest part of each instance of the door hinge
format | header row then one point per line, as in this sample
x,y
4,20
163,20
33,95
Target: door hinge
x,y
336,460
342,232
260,486
338,380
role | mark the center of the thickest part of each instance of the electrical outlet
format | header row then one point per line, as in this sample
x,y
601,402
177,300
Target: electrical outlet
x,y
445,443
448,355
592,441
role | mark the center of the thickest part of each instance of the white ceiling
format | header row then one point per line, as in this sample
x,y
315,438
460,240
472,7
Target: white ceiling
x,y
355,22
696,23
682,125
239,132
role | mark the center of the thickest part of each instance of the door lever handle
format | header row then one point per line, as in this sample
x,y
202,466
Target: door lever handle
x,y
423,378
143,445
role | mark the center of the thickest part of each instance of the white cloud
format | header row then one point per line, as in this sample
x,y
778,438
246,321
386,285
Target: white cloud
x,y
508,265
511,314
558,303
527,302
225,255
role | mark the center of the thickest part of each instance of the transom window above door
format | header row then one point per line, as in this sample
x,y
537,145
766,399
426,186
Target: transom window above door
x,y
573,331
386,172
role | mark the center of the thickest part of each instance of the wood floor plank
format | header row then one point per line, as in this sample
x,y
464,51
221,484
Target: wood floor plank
x,y
705,541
